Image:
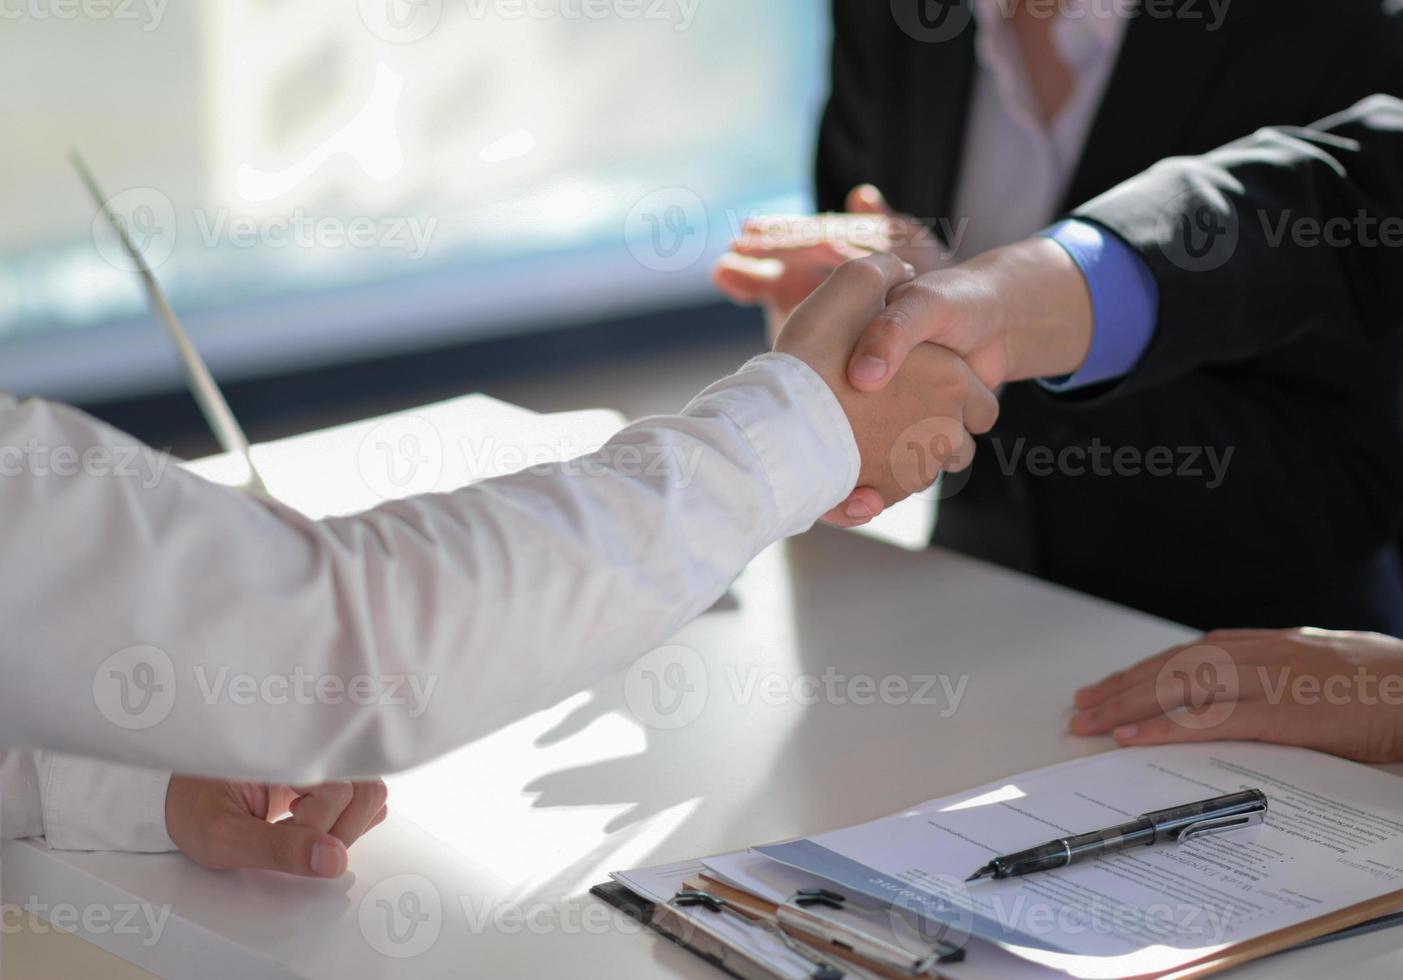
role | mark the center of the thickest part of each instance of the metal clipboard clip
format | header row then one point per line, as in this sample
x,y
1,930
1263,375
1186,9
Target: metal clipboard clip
x,y
864,931
824,967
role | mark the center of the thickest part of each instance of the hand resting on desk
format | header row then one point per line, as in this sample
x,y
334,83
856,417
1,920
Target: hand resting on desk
x,y
1340,693
297,830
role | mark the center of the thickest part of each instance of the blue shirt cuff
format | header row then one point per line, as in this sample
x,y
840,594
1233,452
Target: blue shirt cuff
x,y
1124,303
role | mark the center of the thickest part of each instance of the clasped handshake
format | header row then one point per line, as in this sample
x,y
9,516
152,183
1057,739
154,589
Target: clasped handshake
x,y
913,346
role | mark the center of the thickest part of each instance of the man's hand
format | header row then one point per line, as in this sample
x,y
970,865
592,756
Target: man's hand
x,y
916,427
1336,692
226,825
1023,311
779,260
1018,312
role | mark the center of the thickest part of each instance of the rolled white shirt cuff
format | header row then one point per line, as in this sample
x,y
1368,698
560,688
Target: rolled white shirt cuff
x,y
800,434
99,806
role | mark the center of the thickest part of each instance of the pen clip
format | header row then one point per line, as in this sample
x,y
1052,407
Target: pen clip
x,y
1222,825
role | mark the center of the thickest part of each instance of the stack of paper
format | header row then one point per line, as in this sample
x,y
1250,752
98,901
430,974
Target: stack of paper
x,y
1329,857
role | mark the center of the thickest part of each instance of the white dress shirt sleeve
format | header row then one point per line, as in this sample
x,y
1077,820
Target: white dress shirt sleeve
x,y
172,623
81,805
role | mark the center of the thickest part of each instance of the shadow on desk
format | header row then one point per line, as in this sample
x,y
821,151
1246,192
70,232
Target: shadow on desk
x,y
853,679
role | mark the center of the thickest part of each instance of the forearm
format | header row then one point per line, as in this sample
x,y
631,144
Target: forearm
x,y
1041,304
1205,260
454,614
1282,233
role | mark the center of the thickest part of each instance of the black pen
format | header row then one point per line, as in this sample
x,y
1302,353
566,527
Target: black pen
x,y
1178,823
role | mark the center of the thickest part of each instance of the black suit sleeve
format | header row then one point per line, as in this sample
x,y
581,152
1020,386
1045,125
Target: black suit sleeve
x,y
1289,231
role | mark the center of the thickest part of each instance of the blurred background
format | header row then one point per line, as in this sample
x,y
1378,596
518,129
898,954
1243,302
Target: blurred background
x,y
358,206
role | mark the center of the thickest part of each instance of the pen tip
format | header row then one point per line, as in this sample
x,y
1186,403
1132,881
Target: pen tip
x,y
981,873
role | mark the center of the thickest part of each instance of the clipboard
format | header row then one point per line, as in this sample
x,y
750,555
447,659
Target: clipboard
x,y
673,926
688,931
1384,912
825,921
1325,810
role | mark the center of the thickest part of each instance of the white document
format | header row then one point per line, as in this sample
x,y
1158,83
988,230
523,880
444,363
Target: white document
x,y
1333,838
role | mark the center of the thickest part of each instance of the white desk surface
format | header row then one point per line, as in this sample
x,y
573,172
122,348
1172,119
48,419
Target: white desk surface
x,y
483,867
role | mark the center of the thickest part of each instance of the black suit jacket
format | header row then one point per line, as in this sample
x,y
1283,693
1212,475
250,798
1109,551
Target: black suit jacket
x,y
1302,526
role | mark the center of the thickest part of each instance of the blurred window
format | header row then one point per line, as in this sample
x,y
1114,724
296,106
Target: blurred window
x,y
325,179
